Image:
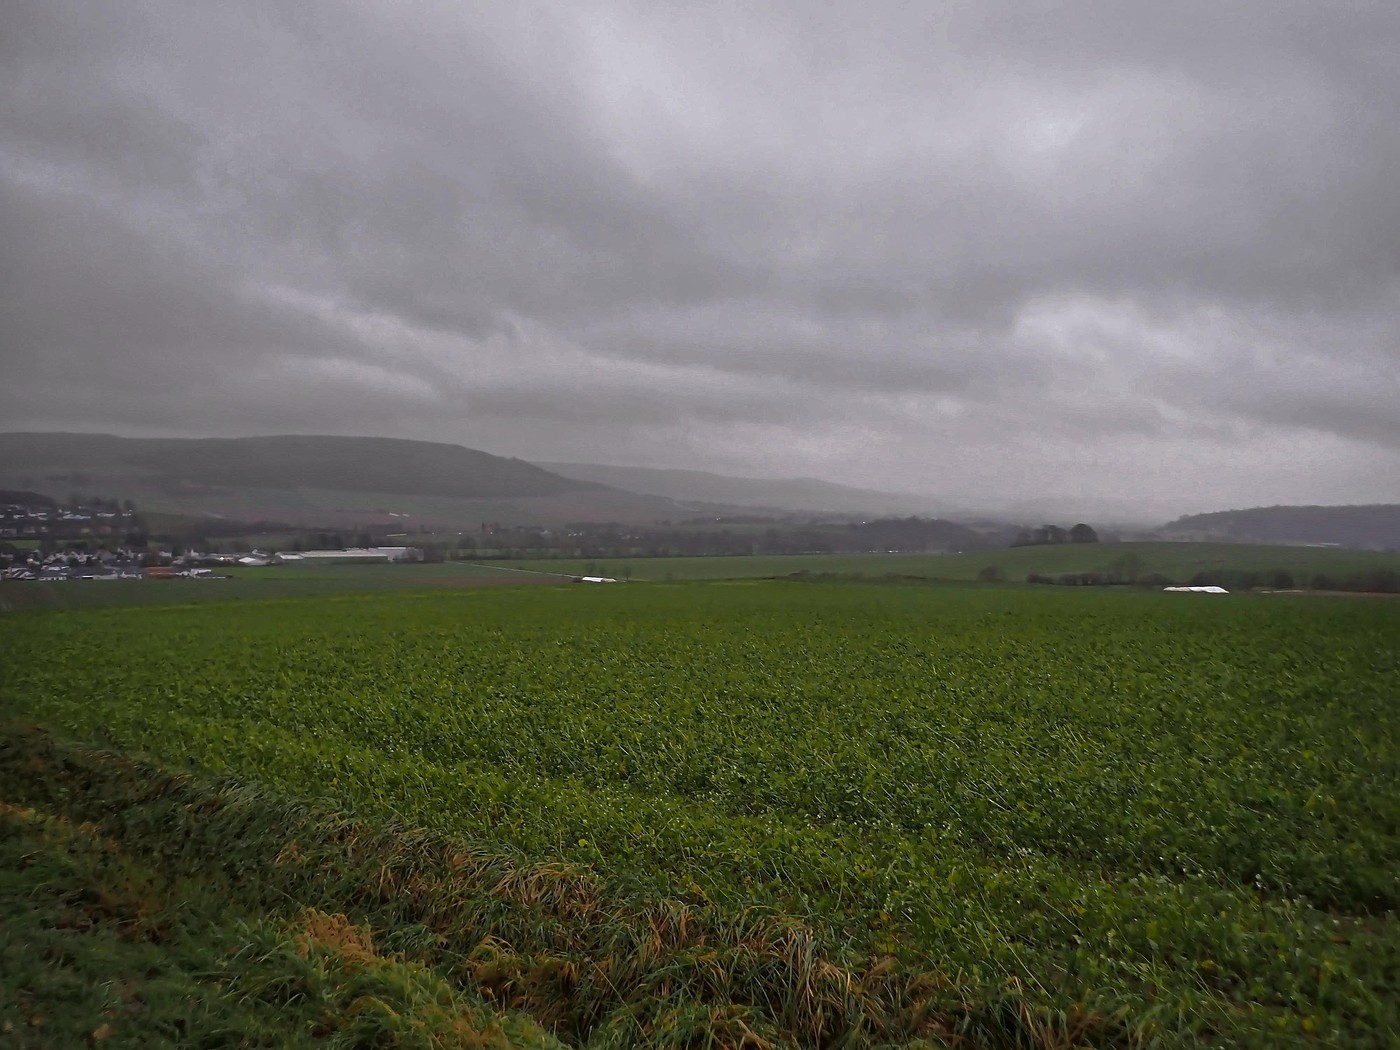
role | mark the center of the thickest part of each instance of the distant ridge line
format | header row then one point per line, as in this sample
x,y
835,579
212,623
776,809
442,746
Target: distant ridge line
x,y
786,494
351,464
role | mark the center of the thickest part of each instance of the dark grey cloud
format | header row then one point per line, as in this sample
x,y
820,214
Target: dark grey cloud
x,y
1003,248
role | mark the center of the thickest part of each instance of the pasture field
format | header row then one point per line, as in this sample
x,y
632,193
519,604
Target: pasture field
x,y
261,583
817,811
1180,561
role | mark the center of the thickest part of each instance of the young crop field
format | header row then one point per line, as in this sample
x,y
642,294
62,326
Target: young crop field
x,y
263,582
1179,561
772,812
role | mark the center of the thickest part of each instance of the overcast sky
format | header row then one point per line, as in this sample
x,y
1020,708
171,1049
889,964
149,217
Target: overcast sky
x,y
996,248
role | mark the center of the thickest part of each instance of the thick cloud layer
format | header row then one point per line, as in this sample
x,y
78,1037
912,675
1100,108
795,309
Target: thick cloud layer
x,y
999,249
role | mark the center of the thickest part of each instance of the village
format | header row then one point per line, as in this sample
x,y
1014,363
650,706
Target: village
x,y
29,516
42,539
124,563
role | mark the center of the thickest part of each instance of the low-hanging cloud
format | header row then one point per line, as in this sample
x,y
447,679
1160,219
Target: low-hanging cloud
x,y
999,250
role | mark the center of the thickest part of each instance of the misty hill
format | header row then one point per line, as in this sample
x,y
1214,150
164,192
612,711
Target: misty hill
x,y
9,497
788,494
350,464
1375,526
315,481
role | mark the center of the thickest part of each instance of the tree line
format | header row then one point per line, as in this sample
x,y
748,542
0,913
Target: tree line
x,y
1050,534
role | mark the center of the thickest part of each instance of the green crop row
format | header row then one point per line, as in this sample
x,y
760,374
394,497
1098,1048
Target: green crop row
x,y
1185,807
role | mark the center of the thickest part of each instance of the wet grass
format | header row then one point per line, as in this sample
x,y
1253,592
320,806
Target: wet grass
x,y
104,944
153,909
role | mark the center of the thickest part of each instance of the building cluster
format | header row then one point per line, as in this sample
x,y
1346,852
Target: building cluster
x,y
125,563
122,563
340,554
43,521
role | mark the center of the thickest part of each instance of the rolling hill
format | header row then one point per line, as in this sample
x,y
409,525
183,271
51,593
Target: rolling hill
x,y
1375,526
321,481
780,494
351,464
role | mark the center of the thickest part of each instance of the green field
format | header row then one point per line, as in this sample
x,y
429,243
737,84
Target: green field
x,y
1144,818
258,583
1179,561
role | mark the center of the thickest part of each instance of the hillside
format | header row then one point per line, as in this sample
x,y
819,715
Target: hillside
x,y
787,494
348,464
1376,526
